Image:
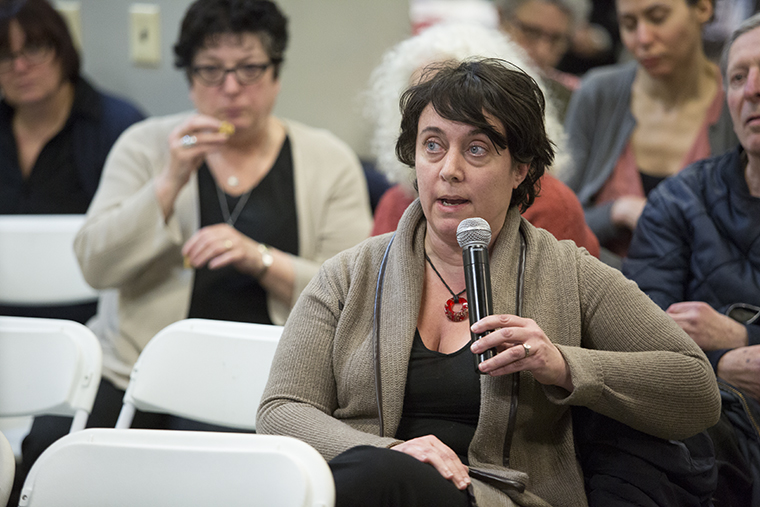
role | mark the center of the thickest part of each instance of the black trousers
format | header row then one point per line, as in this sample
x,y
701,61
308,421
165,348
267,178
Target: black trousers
x,y
373,477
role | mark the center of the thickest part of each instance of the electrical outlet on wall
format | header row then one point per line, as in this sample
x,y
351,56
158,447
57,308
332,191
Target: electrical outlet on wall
x,y
145,34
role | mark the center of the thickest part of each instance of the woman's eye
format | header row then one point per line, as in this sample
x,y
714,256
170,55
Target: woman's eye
x,y
658,16
628,24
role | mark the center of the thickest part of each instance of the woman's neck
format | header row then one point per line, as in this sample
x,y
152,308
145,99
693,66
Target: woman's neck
x,y
443,252
689,82
47,116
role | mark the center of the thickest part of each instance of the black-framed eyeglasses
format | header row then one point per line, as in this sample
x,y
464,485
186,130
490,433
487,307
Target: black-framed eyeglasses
x,y
535,33
33,54
744,313
245,73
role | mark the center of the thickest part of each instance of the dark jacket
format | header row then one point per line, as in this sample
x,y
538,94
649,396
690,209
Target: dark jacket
x,y
96,121
698,239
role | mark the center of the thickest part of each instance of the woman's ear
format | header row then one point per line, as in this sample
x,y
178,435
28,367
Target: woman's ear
x,y
520,172
705,10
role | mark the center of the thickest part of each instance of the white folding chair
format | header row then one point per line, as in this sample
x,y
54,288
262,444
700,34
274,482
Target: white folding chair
x,y
37,268
48,367
7,469
207,370
37,261
158,468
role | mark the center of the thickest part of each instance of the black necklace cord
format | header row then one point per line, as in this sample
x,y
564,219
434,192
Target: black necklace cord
x,y
455,297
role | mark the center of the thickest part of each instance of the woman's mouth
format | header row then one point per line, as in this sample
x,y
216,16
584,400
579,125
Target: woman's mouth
x,y
446,201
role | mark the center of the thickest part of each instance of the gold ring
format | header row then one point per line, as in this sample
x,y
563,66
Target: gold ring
x,y
527,349
228,244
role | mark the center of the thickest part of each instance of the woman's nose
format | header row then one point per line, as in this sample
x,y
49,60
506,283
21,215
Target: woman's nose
x,y
230,83
453,166
644,33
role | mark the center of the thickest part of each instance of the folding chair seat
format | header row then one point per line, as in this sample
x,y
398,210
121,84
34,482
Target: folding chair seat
x,y
156,468
206,370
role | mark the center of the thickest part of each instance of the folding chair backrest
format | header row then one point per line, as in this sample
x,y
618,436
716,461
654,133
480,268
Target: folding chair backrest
x,y
37,261
207,370
7,469
152,468
48,366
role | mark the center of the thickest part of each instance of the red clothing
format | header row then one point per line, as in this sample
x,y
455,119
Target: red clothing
x,y
556,209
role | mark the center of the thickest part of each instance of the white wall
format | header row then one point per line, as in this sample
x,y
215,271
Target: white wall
x,y
334,45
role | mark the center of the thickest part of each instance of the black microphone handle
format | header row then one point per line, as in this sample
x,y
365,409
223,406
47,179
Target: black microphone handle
x,y
477,278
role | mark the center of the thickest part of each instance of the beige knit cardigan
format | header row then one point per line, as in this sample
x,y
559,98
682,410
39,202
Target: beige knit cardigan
x,y
627,358
126,244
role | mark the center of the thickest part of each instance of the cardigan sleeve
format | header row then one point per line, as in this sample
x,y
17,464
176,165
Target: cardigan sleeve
x,y
301,395
635,364
598,124
125,230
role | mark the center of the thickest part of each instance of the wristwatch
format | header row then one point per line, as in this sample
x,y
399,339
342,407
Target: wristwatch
x,y
266,259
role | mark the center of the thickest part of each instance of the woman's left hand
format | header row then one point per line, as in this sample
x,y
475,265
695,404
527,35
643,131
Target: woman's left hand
x,y
521,346
221,245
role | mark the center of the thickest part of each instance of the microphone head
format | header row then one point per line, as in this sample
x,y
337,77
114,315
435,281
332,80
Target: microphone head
x,y
473,232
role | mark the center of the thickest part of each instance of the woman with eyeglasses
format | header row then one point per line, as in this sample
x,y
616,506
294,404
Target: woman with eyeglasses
x,y
544,28
632,125
224,213
55,128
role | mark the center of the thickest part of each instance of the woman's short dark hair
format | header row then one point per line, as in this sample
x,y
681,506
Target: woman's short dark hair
x,y
469,91
42,25
207,20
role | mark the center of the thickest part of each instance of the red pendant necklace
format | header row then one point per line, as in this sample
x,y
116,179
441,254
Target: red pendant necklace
x,y
455,299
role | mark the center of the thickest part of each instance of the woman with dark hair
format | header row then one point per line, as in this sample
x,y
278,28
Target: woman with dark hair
x,y
630,126
375,366
224,213
55,128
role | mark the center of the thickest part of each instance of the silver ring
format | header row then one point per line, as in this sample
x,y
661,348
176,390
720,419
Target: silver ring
x,y
187,141
527,349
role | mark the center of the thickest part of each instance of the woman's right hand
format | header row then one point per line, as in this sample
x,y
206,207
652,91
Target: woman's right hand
x,y
429,449
185,159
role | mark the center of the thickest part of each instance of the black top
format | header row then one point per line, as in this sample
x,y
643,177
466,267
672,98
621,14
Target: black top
x,y
442,397
54,185
649,182
268,217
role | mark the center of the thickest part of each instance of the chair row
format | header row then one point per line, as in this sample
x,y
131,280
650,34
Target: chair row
x,y
210,371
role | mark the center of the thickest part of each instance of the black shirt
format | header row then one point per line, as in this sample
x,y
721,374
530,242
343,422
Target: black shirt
x,y
269,216
54,186
442,397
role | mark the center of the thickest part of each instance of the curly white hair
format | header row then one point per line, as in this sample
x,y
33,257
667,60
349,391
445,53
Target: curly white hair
x,y
449,41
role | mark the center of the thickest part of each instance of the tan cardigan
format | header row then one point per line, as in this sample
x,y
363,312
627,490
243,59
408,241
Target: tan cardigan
x,y
126,245
628,359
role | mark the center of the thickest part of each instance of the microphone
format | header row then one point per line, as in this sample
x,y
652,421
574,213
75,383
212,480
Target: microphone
x,y
473,235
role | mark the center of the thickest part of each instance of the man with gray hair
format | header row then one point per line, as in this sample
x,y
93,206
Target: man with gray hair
x,y
695,254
